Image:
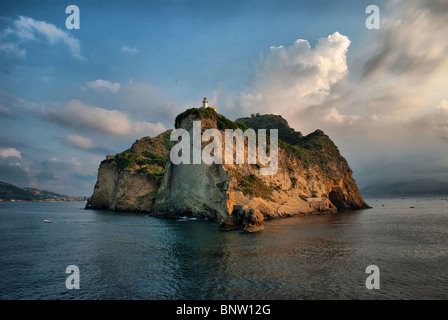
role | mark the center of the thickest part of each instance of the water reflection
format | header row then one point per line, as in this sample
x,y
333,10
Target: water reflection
x,y
133,256
171,259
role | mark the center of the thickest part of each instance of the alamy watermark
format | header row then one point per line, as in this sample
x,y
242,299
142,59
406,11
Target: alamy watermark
x,y
373,280
72,21
373,20
72,281
189,150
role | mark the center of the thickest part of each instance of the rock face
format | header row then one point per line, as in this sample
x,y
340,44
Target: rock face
x,y
121,190
244,219
312,177
129,181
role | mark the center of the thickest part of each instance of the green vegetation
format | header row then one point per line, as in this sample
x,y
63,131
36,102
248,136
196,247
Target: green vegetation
x,y
143,197
253,185
271,121
313,149
199,113
293,181
146,156
157,145
149,155
158,173
155,191
125,162
221,121
319,141
152,158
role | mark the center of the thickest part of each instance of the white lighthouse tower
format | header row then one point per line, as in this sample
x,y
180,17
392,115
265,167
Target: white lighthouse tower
x,y
205,105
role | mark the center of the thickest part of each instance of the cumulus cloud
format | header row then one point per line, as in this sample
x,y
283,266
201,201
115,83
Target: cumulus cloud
x,y
334,116
80,116
392,94
10,152
401,74
104,85
26,28
398,100
400,85
296,76
407,74
129,50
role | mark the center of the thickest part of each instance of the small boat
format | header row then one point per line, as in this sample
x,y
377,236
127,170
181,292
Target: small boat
x,y
48,221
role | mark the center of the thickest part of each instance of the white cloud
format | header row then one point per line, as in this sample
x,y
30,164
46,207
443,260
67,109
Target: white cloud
x,y
130,50
401,76
435,123
335,116
10,152
104,85
80,116
443,107
389,105
399,93
27,28
13,50
289,78
79,142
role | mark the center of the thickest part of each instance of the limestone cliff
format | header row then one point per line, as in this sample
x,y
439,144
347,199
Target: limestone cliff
x,y
312,176
129,181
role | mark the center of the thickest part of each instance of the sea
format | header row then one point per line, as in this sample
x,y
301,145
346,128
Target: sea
x,y
127,256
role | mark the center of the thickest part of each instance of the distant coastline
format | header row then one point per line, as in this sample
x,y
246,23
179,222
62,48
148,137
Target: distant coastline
x,y
72,199
415,188
11,193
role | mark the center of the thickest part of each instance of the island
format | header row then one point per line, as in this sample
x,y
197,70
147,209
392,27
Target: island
x,y
312,177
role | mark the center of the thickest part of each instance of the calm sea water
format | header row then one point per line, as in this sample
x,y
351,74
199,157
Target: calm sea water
x,y
134,256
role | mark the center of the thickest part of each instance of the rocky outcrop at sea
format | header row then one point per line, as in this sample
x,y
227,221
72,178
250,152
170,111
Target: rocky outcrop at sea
x,y
312,177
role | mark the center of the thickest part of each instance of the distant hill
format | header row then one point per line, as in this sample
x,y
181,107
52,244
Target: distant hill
x,y
415,187
10,192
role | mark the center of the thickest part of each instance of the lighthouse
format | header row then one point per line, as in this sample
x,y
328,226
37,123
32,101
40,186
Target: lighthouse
x,y
206,106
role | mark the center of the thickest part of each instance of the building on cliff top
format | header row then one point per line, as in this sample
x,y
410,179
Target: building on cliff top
x,y
205,105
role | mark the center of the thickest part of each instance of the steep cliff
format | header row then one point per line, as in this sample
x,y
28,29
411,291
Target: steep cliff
x,y
312,176
129,181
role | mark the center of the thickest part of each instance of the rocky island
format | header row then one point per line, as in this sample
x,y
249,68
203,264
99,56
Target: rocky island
x,y
312,177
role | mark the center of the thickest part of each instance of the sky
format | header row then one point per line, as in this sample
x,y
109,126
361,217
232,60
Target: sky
x,y
69,97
